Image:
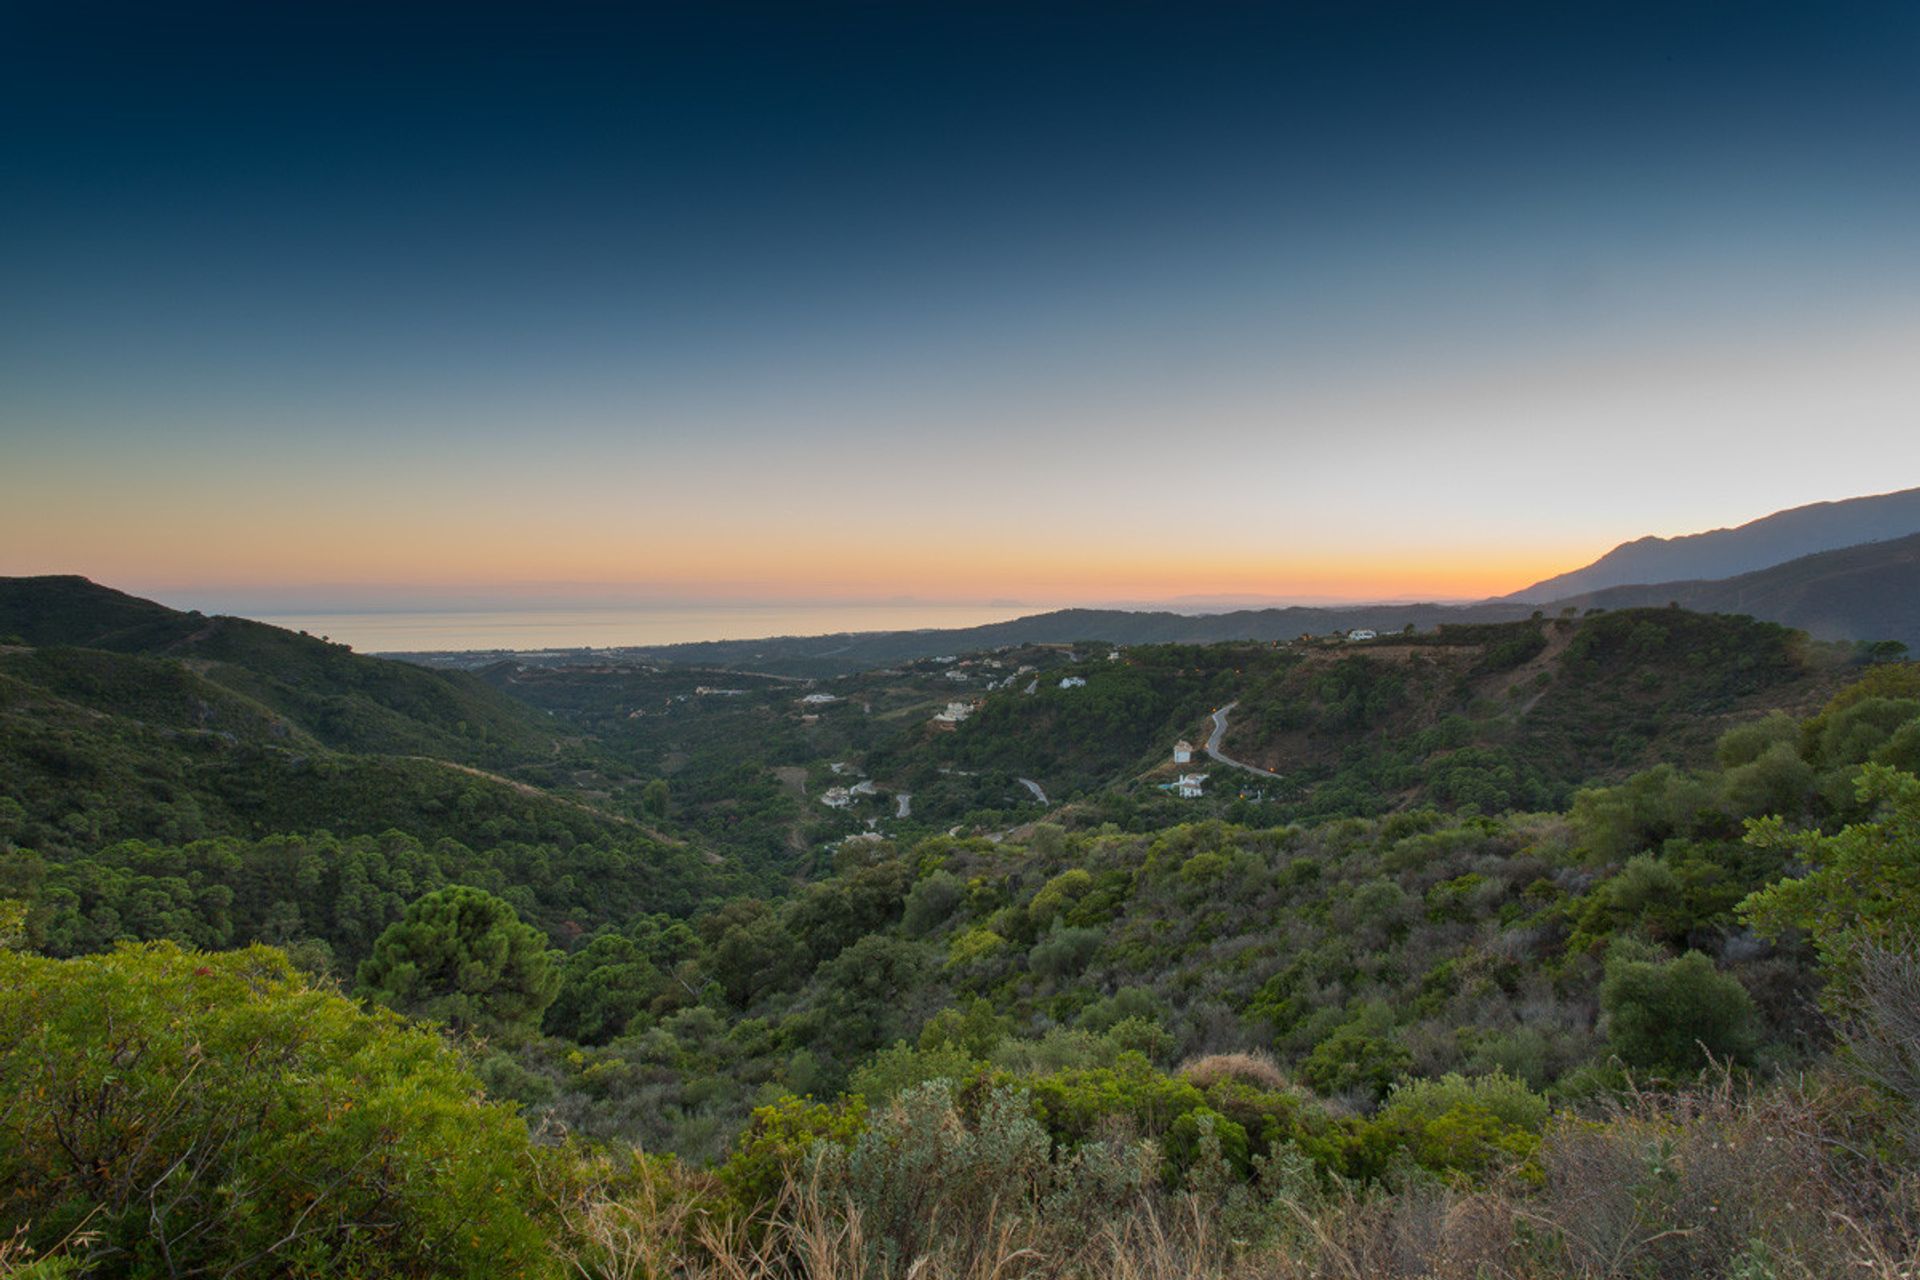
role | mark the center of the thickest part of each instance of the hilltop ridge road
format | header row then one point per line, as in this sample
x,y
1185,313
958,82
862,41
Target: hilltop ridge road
x,y
1219,732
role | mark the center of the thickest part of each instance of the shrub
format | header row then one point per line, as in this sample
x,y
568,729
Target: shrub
x,y
1058,895
976,1030
1127,1002
1461,1140
893,1071
1360,1057
779,1141
931,901
1256,1069
1143,1036
1671,1016
973,947
922,1168
212,1114
1064,952
1188,1138
1074,1104
1882,1028
1863,884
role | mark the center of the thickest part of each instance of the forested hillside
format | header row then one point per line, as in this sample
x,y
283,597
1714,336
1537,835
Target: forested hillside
x,y
1528,900
321,690
1870,593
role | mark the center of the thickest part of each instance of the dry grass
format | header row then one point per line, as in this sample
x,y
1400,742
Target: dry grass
x,y
1715,1184
1256,1069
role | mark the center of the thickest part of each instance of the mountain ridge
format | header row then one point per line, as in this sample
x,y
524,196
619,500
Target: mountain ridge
x,y
1760,543
1868,592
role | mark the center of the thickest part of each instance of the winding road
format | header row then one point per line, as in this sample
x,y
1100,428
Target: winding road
x,y
1034,787
1219,732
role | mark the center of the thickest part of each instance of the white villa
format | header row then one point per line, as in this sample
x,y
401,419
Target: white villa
x,y
1183,752
1363,634
837,798
955,713
1073,682
1188,785
820,699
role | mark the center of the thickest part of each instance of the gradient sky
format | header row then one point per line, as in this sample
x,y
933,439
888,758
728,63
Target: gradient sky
x,y
339,304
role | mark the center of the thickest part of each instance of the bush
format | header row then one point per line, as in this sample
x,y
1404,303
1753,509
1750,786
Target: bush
x,y
1360,1057
1508,1100
1672,1016
212,1114
923,1168
1064,952
1862,885
780,1140
977,1030
931,901
1882,1029
1464,1125
893,1071
1143,1036
1188,1139
1256,1069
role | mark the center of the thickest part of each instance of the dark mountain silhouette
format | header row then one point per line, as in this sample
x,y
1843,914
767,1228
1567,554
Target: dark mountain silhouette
x,y
1869,592
1724,553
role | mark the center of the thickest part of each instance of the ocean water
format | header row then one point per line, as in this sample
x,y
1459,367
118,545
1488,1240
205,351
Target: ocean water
x,y
612,627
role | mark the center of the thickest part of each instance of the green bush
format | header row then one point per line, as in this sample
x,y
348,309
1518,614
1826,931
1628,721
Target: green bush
x,y
212,1114
895,1070
1361,1056
976,1030
1862,884
923,1168
779,1141
931,901
1064,952
1670,1016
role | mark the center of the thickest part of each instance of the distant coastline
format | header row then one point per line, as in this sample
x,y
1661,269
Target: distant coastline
x,y
628,626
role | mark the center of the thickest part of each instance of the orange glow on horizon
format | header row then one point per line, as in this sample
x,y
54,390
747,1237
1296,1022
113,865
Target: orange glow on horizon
x,y
810,570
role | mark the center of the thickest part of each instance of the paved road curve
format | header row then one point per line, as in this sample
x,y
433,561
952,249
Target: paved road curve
x,y
1219,732
1034,787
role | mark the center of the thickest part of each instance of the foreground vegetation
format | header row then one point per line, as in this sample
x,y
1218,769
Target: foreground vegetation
x,y
1662,1028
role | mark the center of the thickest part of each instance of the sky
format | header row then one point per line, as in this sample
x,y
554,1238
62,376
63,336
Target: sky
x,y
338,305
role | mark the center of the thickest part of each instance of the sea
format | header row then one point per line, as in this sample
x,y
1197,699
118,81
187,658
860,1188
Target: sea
x,y
615,627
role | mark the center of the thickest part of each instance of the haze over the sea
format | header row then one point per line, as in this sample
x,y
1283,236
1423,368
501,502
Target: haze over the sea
x,y
612,626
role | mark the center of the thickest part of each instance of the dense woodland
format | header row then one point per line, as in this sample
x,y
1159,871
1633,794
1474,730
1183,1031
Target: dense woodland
x,y
1577,946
